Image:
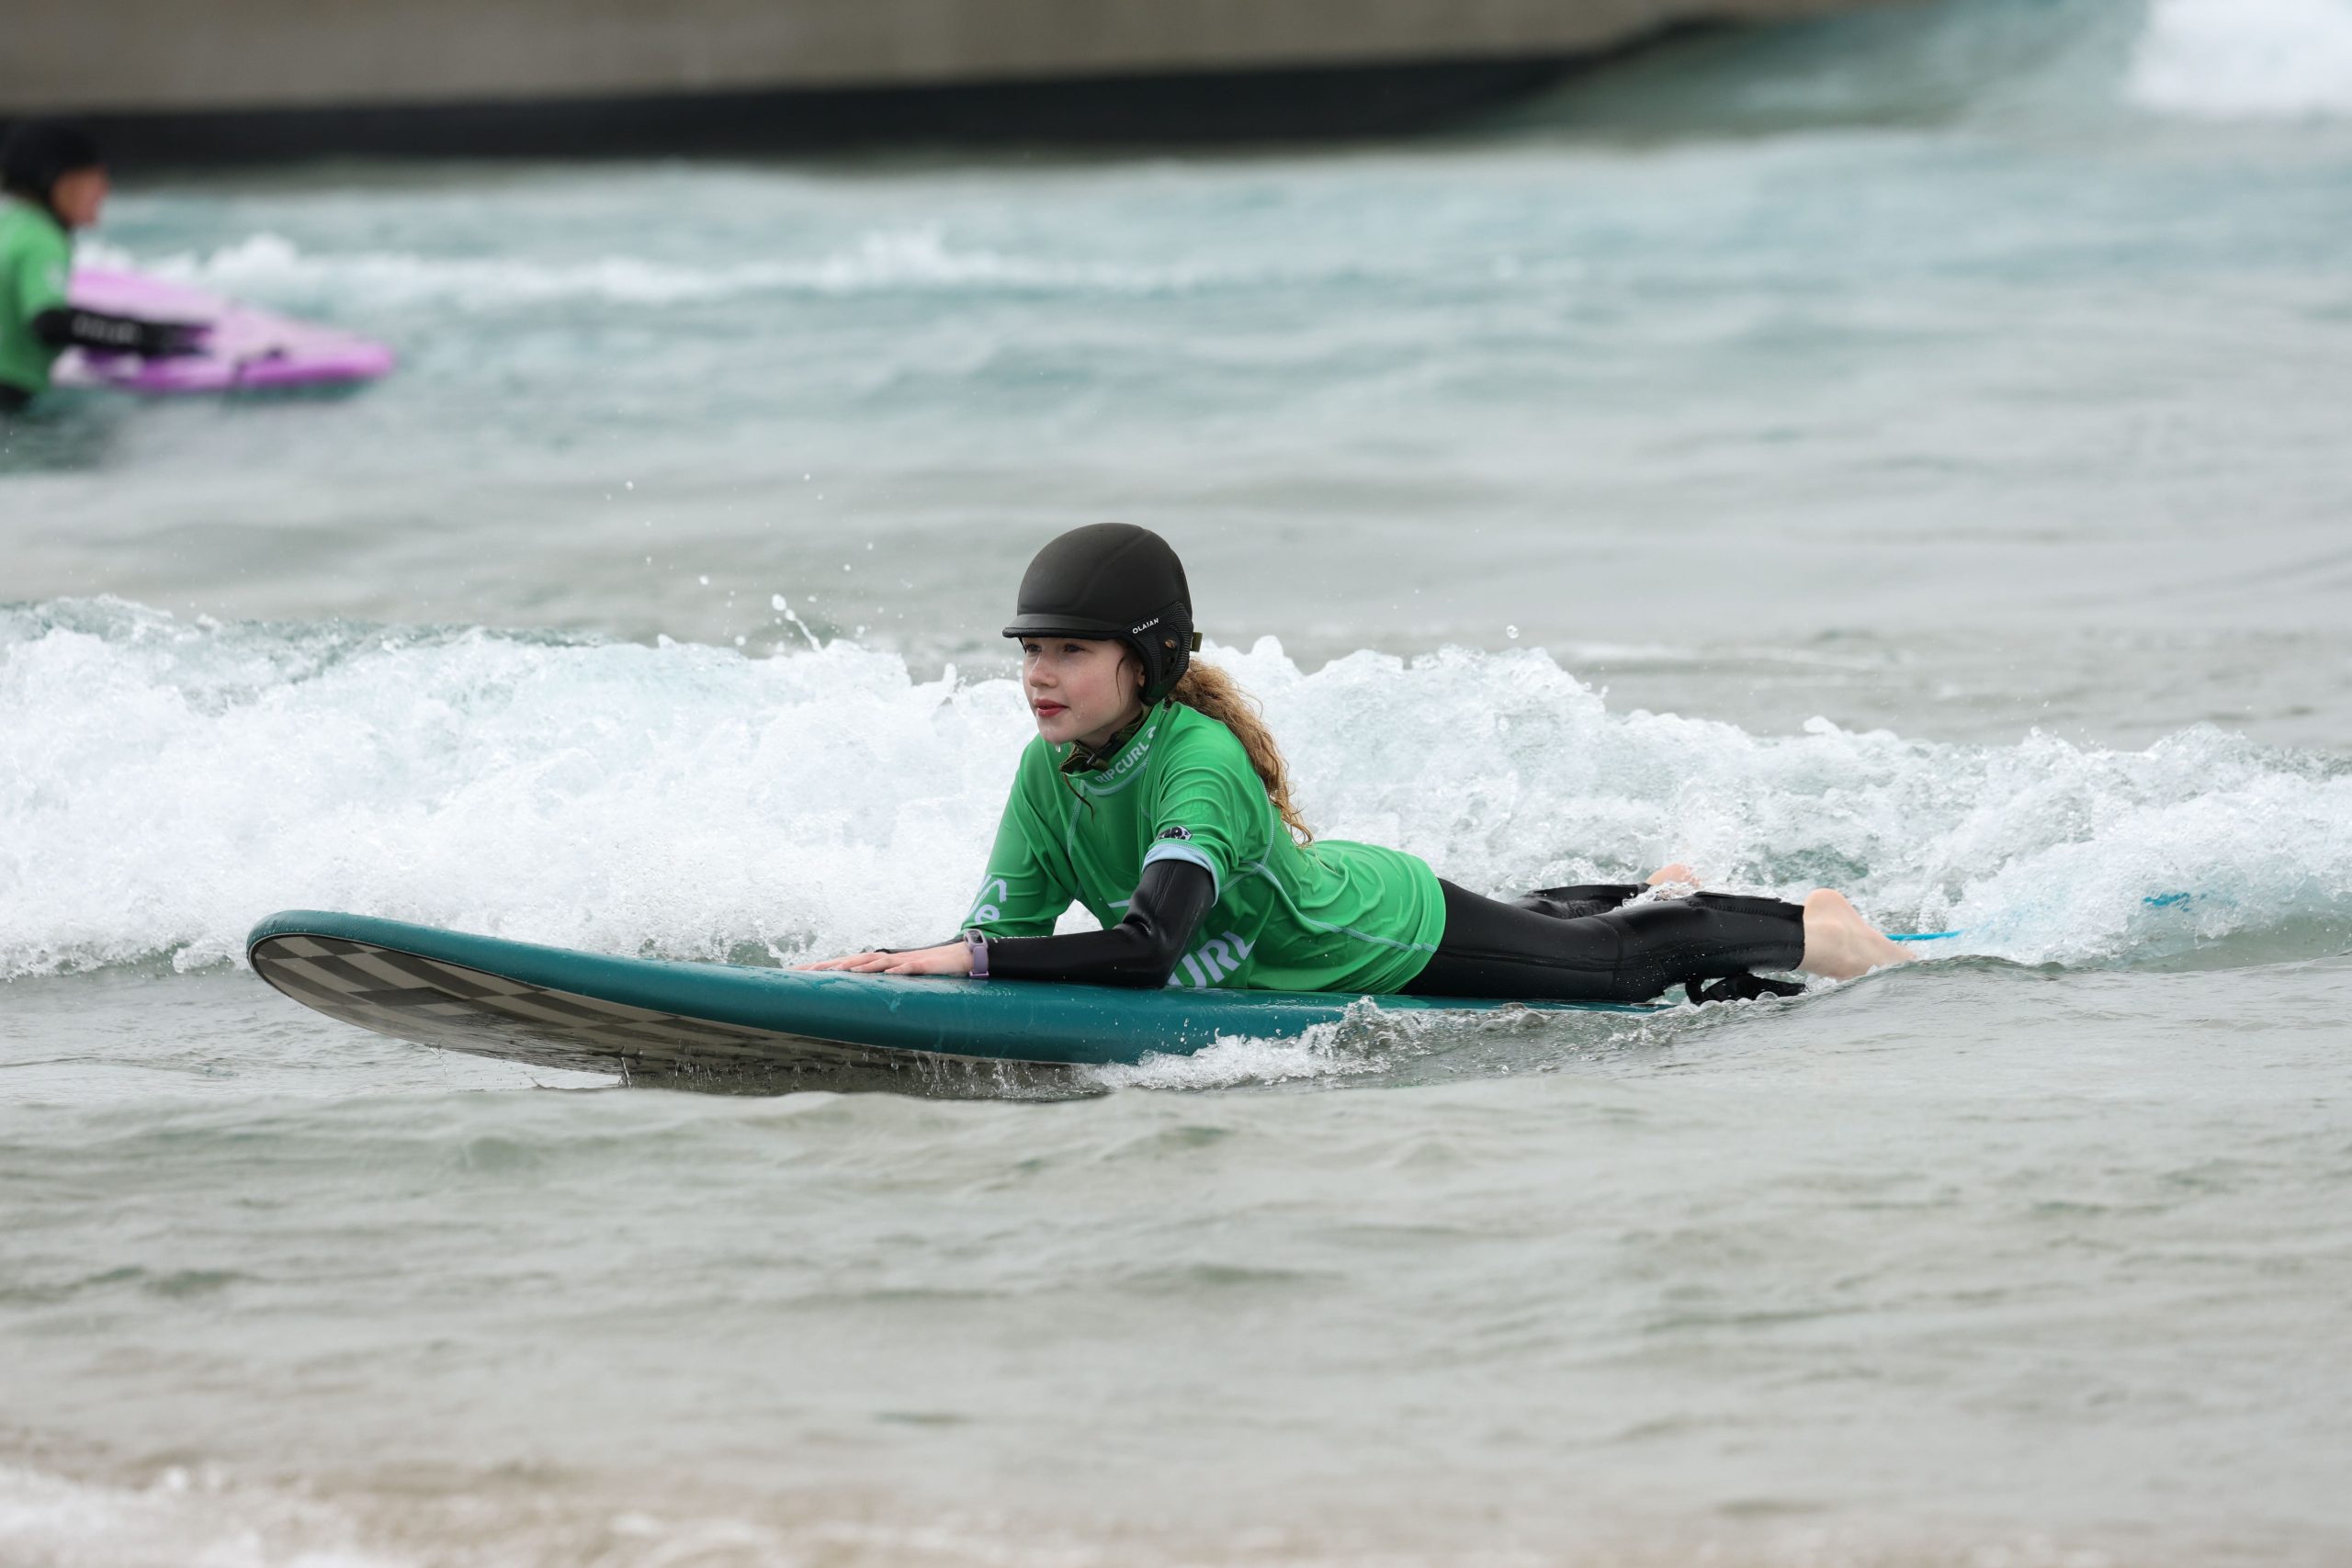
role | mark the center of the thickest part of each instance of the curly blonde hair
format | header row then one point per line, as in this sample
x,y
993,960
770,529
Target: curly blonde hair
x,y
1208,689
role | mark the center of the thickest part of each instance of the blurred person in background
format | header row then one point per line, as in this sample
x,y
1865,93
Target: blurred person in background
x,y
55,182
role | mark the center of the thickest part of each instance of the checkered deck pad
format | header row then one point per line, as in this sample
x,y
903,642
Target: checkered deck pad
x,y
458,1009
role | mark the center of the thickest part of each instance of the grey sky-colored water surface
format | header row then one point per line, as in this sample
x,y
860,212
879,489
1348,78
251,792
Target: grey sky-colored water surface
x,y
1901,453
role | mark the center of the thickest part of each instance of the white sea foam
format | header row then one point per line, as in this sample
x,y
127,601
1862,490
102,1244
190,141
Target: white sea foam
x,y
168,782
269,266
1365,1039
1370,1037
206,1519
184,1517
2245,59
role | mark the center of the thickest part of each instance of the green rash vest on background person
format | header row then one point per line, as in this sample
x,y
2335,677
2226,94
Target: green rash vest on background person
x,y
36,258
1326,917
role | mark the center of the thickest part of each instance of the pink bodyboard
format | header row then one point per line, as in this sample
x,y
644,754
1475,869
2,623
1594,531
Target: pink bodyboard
x,y
245,348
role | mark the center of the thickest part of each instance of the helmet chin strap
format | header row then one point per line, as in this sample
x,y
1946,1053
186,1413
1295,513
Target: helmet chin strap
x,y
1085,759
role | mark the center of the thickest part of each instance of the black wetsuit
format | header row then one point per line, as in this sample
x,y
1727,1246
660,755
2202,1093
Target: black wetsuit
x,y
1563,945
1592,944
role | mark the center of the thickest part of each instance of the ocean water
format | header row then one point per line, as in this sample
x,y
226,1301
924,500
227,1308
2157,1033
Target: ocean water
x,y
1901,453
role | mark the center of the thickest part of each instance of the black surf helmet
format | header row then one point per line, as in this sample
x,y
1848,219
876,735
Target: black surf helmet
x,y
36,153
1118,581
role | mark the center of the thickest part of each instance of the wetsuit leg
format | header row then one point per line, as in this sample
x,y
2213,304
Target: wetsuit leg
x,y
1627,954
1587,899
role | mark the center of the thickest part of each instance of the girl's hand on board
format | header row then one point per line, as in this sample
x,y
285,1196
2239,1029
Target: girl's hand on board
x,y
951,958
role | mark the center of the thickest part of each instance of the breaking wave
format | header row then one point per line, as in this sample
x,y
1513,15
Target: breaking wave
x,y
168,782
2251,59
270,266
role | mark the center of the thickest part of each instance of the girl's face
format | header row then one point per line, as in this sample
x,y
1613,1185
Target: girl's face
x,y
1080,689
78,195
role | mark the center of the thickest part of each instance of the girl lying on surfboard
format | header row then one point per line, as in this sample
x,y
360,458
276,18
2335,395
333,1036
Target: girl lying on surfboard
x,y
1154,795
52,181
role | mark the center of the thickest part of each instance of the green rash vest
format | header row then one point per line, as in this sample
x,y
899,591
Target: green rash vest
x,y
35,257
1328,916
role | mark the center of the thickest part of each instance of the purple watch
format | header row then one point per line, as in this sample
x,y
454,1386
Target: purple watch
x,y
977,944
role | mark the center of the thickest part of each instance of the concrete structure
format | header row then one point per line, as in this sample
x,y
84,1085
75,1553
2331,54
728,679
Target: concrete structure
x,y
226,76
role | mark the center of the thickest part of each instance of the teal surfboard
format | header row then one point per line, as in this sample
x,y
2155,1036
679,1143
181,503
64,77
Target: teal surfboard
x,y
740,1028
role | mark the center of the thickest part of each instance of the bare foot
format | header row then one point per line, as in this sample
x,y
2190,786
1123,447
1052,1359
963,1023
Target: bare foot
x,y
1838,943
1678,873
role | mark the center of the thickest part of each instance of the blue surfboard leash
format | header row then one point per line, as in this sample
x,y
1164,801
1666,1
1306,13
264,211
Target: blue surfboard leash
x,y
2154,901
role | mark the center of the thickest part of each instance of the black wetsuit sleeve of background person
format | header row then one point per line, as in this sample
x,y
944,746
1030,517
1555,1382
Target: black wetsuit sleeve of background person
x,y
1592,944
70,326
1140,951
